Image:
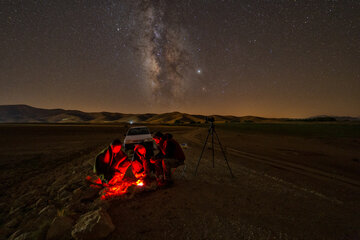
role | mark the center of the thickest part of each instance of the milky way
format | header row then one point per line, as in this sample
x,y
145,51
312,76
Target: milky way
x,y
266,58
161,43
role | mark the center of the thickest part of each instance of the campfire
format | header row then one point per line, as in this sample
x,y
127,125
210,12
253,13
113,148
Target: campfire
x,y
118,189
121,188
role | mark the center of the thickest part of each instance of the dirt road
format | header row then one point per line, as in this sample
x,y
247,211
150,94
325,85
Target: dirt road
x,y
272,195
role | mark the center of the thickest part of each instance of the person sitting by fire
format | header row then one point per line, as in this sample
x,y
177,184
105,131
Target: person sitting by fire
x,y
112,163
170,156
140,164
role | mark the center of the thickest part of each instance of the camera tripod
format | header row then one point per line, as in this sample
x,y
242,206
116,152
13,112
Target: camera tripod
x,y
213,132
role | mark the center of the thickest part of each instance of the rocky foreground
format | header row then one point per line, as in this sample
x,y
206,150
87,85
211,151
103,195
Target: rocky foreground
x,y
57,205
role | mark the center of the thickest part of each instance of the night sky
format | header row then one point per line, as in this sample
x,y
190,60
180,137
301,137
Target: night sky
x,y
264,58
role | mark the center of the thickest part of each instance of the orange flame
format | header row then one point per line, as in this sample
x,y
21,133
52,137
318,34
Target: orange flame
x,y
140,183
120,188
116,187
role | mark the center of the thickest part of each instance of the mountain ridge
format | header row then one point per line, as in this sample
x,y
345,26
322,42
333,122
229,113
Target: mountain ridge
x,y
22,113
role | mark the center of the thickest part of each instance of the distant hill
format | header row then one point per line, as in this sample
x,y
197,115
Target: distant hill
x,y
28,114
333,118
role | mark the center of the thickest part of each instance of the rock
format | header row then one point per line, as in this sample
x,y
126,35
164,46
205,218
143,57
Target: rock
x,y
20,236
24,236
60,228
93,225
88,163
13,223
77,207
65,196
74,186
15,235
49,211
27,198
98,203
77,193
63,188
40,203
64,193
89,195
15,211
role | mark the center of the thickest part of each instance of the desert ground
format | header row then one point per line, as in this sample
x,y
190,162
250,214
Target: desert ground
x,y
292,181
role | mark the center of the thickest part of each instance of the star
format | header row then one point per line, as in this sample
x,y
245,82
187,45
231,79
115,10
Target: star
x,y
157,49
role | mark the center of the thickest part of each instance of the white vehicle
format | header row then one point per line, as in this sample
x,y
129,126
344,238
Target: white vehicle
x,y
139,135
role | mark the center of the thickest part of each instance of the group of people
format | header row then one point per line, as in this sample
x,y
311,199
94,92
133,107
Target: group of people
x,y
112,163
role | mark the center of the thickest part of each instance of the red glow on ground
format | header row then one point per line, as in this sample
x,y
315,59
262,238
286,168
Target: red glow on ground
x,y
118,188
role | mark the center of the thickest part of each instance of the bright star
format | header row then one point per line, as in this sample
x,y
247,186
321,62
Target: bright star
x,y
198,71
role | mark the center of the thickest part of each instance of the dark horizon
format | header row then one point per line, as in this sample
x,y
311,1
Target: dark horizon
x,y
155,113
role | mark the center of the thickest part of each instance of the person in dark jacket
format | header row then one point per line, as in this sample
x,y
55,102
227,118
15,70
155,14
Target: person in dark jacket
x,y
112,163
170,156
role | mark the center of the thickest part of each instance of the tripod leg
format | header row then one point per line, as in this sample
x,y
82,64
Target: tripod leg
x,y
202,152
212,146
224,154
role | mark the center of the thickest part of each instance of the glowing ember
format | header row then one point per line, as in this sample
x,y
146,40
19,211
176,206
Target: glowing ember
x,y
116,187
139,182
120,188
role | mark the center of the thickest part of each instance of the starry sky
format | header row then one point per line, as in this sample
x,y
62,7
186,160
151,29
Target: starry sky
x,y
264,58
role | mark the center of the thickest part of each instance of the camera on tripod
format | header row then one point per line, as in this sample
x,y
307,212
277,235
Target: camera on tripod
x,y
212,133
210,119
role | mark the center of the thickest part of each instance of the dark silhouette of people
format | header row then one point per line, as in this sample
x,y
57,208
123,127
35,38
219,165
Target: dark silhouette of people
x,y
170,156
